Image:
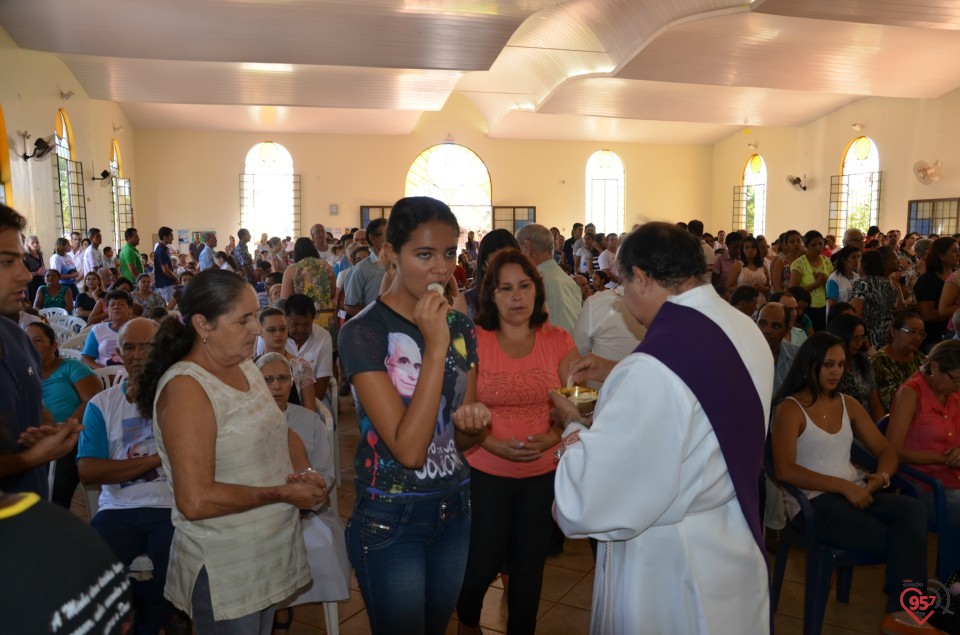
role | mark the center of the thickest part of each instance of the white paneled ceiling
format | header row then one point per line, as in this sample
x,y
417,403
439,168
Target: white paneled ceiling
x,y
653,71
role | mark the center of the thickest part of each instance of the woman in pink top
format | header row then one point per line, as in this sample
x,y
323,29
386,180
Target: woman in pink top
x,y
925,421
522,358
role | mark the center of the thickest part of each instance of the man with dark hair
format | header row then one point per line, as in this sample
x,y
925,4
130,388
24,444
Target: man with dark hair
x,y
31,439
242,255
723,263
695,227
131,265
744,299
576,234
164,277
207,259
362,282
92,259
675,491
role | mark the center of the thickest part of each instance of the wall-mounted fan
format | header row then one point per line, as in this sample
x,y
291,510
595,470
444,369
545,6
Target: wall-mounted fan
x,y
41,147
797,182
927,173
106,177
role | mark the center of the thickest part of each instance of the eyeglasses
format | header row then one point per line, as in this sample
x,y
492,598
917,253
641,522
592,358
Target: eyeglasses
x,y
272,378
919,332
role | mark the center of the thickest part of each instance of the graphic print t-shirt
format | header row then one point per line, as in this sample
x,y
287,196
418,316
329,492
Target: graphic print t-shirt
x,y
380,340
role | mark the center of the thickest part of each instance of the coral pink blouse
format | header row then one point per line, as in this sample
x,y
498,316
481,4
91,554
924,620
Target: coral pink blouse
x,y
935,428
516,392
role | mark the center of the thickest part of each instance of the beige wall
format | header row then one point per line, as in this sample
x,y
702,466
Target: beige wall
x,y
191,179
30,96
905,131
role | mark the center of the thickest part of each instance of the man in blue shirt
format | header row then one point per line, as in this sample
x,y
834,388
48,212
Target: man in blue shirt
x,y
25,425
165,279
208,254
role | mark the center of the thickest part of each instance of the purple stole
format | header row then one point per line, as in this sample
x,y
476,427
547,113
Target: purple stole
x,y
690,344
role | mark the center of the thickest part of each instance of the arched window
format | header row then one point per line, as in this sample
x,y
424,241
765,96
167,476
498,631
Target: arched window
x,y
855,192
605,197
269,192
72,205
750,199
120,193
455,175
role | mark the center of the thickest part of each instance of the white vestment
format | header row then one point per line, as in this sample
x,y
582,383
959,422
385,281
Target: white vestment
x,y
649,481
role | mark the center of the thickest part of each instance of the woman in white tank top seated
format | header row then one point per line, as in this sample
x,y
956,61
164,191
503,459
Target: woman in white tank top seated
x,y
813,428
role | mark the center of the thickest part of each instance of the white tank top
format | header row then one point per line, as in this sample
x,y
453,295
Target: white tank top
x,y
825,453
254,558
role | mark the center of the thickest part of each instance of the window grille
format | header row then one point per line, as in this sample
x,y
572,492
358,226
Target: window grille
x,y
122,209
854,201
933,216
749,203
372,212
70,206
513,218
270,203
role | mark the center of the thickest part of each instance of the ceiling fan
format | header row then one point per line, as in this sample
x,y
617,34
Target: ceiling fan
x,y
927,173
797,182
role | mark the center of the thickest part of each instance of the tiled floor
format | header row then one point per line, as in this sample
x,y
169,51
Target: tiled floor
x,y
568,582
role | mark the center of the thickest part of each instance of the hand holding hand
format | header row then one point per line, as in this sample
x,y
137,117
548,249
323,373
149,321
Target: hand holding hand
x,y
512,449
472,418
858,496
304,494
590,367
875,482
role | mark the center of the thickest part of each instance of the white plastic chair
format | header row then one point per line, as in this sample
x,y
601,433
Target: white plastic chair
x,y
70,322
110,375
74,342
63,333
71,353
333,427
53,311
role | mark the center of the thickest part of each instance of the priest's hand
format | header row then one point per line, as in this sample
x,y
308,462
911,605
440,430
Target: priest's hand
x,y
590,367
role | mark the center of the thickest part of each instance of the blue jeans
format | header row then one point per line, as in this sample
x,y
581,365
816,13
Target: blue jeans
x,y
894,527
130,533
409,558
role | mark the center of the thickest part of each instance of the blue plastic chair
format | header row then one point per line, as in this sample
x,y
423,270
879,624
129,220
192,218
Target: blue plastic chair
x,y
948,538
822,560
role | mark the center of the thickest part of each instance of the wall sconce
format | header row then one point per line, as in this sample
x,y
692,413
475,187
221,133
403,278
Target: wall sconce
x,y
41,147
857,127
753,146
65,96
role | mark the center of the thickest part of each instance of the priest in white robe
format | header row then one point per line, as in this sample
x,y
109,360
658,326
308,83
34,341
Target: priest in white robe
x,y
666,477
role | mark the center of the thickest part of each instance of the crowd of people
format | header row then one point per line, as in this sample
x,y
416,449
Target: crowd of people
x,y
213,458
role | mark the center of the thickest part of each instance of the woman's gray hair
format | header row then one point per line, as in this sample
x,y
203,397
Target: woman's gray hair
x,y
921,247
269,358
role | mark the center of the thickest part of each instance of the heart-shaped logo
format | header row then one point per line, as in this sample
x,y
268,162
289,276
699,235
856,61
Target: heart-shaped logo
x,y
918,605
